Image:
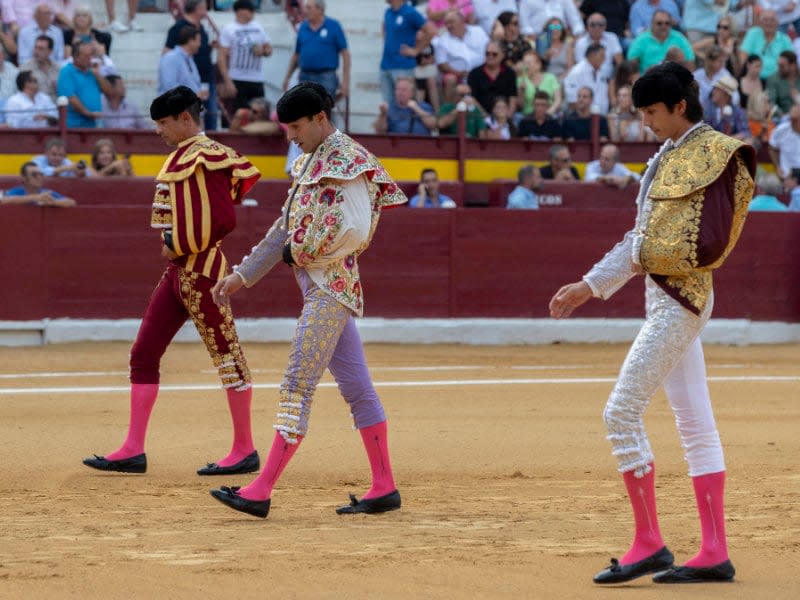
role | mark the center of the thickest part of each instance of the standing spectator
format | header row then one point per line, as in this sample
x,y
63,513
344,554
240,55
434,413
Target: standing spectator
x,y
437,9
428,195
493,79
118,112
499,123
784,144
42,25
243,46
460,100
534,14
788,12
784,86
54,161
487,11
130,24
532,80
105,163
608,170
540,125
17,14
728,40
177,67
32,192
712,71
508,35
723,114
194,11
401,44
42,67
8,77
643,11
766,41
29,107
404,114
651,46
596,34
459,49
615,11
578,122
589,73
320,43
700,18
82,83
624,120
523,196
556,48
560,167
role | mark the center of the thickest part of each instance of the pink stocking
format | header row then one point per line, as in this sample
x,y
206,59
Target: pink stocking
x,y
279,456
143,398
647,537
239,405
376,444
709,491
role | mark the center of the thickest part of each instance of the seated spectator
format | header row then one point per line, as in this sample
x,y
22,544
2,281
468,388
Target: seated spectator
x,y
118,112
765,41
29,107
83,86
642,12
507,34
177,67
751,82
487,12
256,119
768,187
529,179
458,101
105,162
722,114
405,115
54,161
784,86
791,185
700,18
759,116
438,9
560,167
556,48
42,67
532,80
588,73
712,71
608,170
540,125
727,39
597,34
577,123
650,47
32,192
784,144
17,14
493,79
82,30
459,49
499,124
676,55
63,13
428,195
8,77
625,121
625,74
42,25
616,13
534,15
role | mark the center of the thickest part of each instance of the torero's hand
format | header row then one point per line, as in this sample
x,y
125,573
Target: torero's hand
x,y
568,298
223,290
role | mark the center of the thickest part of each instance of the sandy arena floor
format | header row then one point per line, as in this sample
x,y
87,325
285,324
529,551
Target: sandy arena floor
x,y
509,489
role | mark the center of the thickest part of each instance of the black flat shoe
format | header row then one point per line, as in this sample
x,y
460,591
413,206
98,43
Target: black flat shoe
x,y
617,573
134,464
248,464
230,496
724,571
380,504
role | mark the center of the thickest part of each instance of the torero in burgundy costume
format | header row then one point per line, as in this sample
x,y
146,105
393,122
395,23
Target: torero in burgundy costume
x,y
692,206
193,209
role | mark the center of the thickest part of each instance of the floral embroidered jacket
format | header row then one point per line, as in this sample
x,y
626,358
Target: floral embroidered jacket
x,y
195,194
329,218
692,206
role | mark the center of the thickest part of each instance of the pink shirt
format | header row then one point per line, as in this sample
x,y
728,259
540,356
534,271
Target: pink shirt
x,y
464,7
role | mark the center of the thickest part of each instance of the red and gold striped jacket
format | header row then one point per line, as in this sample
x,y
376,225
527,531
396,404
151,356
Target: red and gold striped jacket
x,y
196,191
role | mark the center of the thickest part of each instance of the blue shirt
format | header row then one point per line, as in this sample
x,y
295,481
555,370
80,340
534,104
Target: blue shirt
x,y
20,191
522,197
764,202
203,57
319,50
444,202
74,82
642,12
49,170
794,203
177,68
405,120
400,27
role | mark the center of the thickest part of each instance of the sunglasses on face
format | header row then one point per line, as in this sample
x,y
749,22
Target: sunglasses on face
x,y
492,54
721,26
596,24
663,22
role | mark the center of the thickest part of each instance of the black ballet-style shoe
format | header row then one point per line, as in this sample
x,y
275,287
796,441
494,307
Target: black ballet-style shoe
x,y
248,464
134,464
724,571
230,497
617,573
390,501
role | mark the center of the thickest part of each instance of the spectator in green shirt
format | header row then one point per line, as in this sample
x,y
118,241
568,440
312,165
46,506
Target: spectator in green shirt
x,y
766,41
448,113
784,86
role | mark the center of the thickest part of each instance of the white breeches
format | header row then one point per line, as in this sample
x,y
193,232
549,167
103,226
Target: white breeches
x,y
667,351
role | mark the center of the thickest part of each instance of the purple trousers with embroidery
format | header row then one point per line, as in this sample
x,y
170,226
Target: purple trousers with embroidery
x,y
326,337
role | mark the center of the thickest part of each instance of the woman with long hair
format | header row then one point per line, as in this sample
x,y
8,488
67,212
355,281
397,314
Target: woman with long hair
x,y
506,32
105,162
726,39
533,78
556,48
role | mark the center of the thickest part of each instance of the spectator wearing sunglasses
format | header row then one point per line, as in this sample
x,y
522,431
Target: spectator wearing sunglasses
x,y
596,34
651,46
642,12
32,192
493,79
